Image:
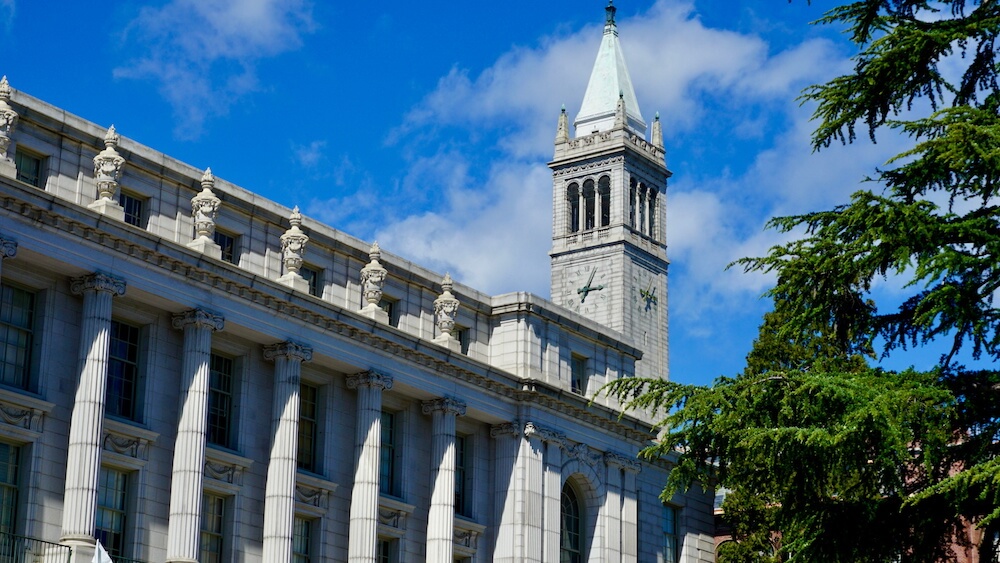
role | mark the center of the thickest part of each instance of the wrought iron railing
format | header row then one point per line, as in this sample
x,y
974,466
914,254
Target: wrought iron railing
x,y
22,549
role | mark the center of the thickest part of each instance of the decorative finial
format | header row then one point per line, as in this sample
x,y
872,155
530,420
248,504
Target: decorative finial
x,y
207,179
8,119
111,138
295,218
293,246
562,129
372,280
657,133
445,310
610,10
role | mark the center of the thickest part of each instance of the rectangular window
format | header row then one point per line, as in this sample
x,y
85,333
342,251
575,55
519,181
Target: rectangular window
x,y
302,532
578,374
312,276
308,427
388,455
134,209
463,337
228,245
9,460
220,401
462,475
112,488
212,522
121,394
29,167
391,307
671,553
386,551
17,313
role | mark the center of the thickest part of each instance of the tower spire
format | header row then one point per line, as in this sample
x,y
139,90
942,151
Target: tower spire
x,y
608,79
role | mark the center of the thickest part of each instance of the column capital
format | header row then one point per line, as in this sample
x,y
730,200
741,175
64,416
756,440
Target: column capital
x,y
198,317
447,405
506,429
8,248
97,282
532,430
370,378
613,459
290,350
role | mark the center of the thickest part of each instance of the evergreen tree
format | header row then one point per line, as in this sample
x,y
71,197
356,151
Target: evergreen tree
x,y
827,458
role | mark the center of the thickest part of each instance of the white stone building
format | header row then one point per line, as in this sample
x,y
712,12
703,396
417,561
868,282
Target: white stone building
x,y
189,372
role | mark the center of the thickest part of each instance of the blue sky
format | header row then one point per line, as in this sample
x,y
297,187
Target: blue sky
x,y
427,125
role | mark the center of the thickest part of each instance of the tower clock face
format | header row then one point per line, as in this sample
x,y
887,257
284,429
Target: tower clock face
x,y
645,292
584,287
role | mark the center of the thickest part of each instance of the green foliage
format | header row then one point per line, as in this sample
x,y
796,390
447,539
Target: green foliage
x,y
825,457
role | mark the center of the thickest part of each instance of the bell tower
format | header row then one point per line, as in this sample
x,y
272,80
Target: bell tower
x,y
609,251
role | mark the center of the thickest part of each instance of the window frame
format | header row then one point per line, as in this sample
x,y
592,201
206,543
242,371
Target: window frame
x,y
115,546
137,378
205,534
24,380
464,471
391,307
314,279
671,537
578,371
573,523
215,392
23,153
390,454
10,487
126,199
309,553
311,465
230,251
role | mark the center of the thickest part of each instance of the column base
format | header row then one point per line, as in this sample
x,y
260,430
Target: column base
x,y
449,342
294,281
207,247
373,311
108,208
7,167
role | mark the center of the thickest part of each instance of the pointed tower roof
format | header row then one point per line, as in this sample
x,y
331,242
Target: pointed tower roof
x,y
609,81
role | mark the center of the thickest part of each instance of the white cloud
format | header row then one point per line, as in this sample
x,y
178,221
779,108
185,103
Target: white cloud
x,y
7,11
203,53
309,156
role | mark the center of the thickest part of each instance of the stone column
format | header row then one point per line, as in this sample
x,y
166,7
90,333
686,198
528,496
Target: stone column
x,y
630,513
279,491
186,484
531,467
613,506
507,438
8,249
441,516
553,500
87,421
363,538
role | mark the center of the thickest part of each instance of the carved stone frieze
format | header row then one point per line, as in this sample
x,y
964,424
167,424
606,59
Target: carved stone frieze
x,y
130,446
224,472
587,167
313,496
623,462
533,430
17,416
506,429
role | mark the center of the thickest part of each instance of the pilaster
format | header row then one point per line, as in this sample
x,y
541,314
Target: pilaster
x,y
363,538
441,515
507,438
86,423
279,491
187,477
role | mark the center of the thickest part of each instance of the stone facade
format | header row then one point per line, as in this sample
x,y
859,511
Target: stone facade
x,y
189,381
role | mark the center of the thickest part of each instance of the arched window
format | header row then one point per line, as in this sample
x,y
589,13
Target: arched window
x,y
604,190
631,202
573,207
570,527
588,204
642,209
652,213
